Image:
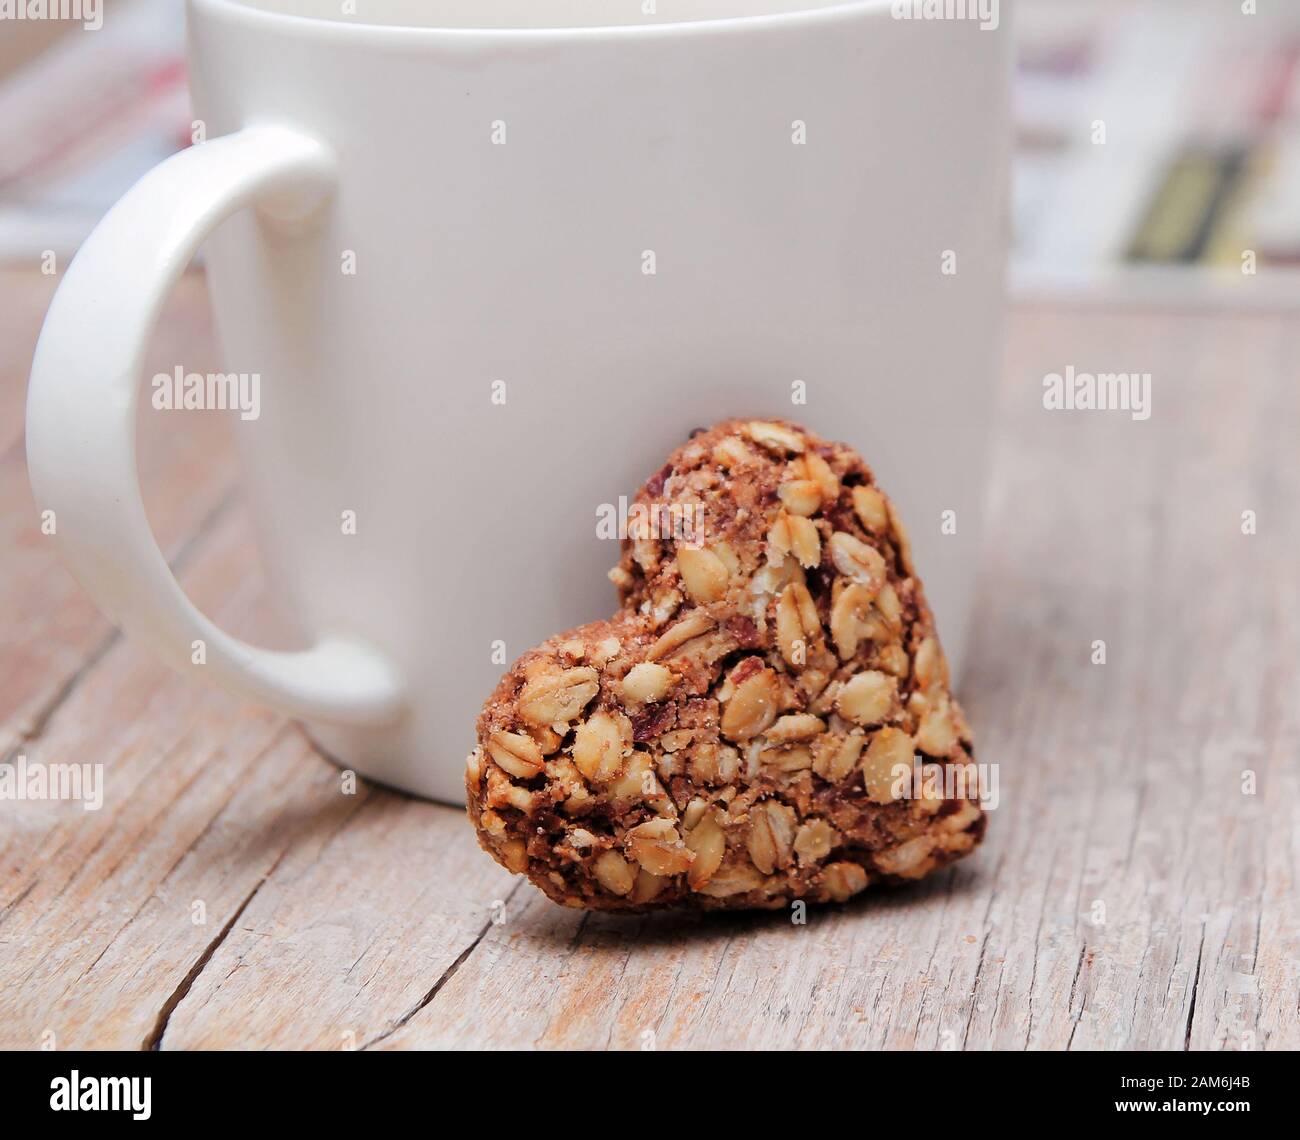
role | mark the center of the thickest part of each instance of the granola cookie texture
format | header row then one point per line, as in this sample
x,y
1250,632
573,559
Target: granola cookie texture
x,y
737,735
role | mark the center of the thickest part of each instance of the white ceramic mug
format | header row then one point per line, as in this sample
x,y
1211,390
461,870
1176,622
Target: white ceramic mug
x,y
492,260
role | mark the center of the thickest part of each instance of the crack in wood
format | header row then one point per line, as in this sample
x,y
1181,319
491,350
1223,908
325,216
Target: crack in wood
x,y
153,1042
41,720
1083,1004
984,944
216,814
8,908
444,978
622,973
1038,938
1078,969
1196,981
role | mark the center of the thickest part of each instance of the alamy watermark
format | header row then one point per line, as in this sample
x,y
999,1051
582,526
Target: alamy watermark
x,y
75,1093
678,522
975,782
985,11
22,779
209,392
89,13
1073,391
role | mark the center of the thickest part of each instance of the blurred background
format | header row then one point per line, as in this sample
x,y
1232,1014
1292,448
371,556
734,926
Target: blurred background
x,y
1158,141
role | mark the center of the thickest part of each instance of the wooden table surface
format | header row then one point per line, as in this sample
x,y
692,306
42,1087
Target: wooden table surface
x,y
1131,893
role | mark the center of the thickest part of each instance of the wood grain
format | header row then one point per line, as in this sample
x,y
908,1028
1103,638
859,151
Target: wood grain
x,y
1129,893
51,632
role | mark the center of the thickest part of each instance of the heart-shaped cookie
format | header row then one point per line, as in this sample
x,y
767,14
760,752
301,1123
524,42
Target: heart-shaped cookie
x,y
766,719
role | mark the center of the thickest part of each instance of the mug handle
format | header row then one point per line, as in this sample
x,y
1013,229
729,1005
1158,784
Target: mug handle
x,y
81,407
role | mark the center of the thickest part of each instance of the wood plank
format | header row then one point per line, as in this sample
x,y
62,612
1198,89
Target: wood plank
x,y
201,796
350,936
337,921
1121,783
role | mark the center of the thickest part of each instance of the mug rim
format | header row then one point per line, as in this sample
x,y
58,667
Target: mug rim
x,y
251,10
